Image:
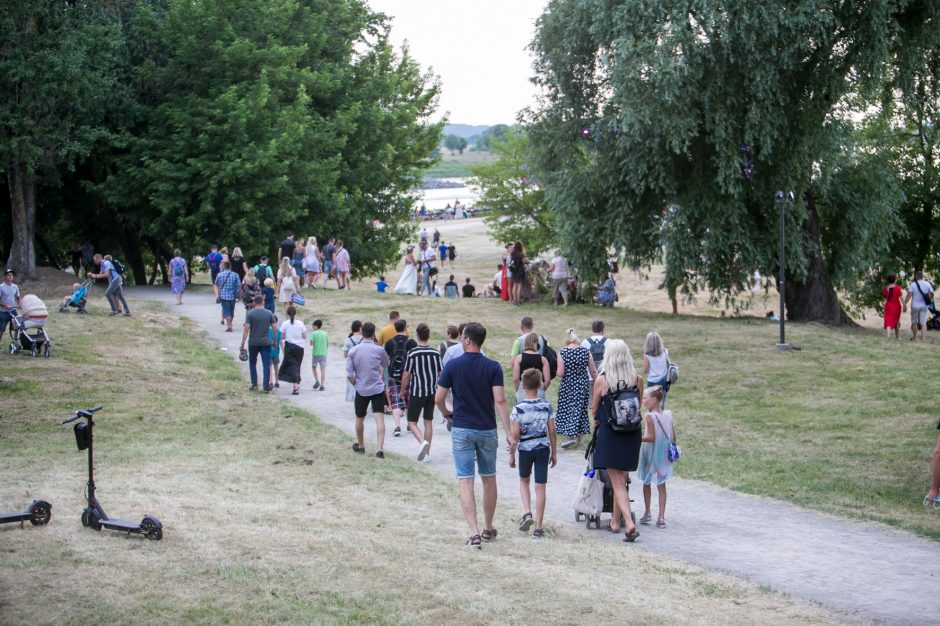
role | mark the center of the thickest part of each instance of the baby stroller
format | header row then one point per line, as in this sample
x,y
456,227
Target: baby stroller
x,y
78,299
31,317
607,492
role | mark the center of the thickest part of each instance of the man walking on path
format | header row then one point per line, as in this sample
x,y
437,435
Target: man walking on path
x,y
527,326
921,292
258,321
397,348
214,262
426,258
422,369
319,346
388,331
596,342
114,284
226,287
364,366
477,385
286,249
328,265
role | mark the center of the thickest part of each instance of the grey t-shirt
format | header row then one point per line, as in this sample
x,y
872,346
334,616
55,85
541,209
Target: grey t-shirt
x,y
259,323
8,295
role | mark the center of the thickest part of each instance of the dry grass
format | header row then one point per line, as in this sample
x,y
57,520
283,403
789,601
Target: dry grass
x,y
269,518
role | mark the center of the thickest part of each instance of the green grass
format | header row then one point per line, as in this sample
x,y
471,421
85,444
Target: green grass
x,y
268,516
457,165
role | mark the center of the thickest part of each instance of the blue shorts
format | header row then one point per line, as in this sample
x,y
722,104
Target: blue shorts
x,y
5,317
228,308
538,459
470,445
327,266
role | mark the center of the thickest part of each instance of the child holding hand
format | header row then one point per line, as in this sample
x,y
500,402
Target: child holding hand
x,y
654,466
533,428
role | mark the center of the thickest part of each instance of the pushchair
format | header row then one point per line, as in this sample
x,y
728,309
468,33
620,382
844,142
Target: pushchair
x,y
78,299
608,489
31,316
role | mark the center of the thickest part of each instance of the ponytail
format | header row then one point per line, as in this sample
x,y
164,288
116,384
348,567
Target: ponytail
x,y
291,312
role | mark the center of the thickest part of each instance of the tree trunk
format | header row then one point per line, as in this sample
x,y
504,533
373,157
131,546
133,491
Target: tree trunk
x,y
813,299
135,258
22,184
161,255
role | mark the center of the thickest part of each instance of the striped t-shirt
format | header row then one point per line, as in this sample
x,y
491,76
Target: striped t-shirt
x,y
424,365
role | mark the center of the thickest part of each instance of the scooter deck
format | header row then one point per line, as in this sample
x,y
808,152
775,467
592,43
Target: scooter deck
x,y
15,517
121,524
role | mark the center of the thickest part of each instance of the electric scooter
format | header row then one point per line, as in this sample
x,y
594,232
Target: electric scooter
x,y
94,516
38,514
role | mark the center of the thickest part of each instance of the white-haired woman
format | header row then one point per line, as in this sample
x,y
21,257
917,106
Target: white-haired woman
x,y
575,370
311,262
287,283
618,452
656,363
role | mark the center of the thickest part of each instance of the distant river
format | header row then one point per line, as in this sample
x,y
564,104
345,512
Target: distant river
x,y
439,198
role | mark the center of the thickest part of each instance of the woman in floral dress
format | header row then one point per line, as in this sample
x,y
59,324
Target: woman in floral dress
x,y
178,276
576,370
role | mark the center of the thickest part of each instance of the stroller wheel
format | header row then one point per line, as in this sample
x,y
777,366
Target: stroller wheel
x,y
32,351
46,350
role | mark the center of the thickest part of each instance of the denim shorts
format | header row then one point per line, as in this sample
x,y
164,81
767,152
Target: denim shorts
x,y
228,308
470,445
537,459
5,320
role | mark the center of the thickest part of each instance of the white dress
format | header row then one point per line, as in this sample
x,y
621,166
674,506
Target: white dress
x,y
408,283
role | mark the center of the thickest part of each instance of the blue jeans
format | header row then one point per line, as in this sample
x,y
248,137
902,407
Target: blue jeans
x,y
425,281
265,352
662,383
470,445
114,291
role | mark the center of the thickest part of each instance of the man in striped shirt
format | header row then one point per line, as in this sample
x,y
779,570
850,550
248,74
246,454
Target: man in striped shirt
x,y
422,368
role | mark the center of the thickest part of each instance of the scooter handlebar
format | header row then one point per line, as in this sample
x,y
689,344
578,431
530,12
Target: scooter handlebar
x,y
83,413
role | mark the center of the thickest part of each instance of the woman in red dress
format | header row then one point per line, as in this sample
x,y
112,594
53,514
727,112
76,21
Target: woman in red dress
x,y
892,294
504,280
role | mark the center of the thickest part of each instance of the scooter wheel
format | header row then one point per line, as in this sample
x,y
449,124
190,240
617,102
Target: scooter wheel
x,y
90,519
151,528
40,512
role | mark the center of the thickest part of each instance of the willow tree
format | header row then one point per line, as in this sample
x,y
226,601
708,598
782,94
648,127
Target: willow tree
x,y
672,125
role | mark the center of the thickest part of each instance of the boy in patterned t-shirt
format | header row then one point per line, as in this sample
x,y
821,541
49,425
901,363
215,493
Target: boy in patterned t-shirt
x,y
533,428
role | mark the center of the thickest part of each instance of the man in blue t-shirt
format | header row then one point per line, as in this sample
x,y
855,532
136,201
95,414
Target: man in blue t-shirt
x,y
477,385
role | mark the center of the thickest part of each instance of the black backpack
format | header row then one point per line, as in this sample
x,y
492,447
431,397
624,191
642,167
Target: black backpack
x,y
398,354
118,266
597,349
261,273
623,408
551,356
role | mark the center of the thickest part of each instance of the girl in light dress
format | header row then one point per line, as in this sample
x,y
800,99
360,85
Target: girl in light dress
x,y
287,283
311,262
659,431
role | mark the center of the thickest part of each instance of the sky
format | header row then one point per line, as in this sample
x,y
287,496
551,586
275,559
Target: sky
x,y
476,47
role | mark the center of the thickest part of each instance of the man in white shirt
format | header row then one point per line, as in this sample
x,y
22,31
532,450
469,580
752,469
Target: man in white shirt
x,y
919,294
559,279
426,258
9,302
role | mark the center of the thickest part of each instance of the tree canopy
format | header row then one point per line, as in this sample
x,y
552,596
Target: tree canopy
x,y
668,126
234,121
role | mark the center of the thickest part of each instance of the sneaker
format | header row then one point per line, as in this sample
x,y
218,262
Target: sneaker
x,y
113,313
423,452
427,459
358,449
396,432
127,315
570,443
380,455
538,533
474,542
489,534
322,387
526,522
316,384
253,388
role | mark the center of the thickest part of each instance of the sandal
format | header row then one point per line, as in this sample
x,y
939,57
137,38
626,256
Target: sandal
x,y
474,542
631,536
612,529
935,502
538,533
526,522
489,534
646,519
661,523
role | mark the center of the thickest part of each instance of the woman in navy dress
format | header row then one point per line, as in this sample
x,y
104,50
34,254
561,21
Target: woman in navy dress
x,y
617,452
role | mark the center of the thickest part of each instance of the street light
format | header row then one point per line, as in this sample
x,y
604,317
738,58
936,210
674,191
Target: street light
x,y
783,199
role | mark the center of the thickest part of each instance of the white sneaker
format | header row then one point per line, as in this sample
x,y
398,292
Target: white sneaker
x,y
423,452
427,459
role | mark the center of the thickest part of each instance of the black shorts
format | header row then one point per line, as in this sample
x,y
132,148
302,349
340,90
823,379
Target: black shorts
x,y
537,458
362,404
416,405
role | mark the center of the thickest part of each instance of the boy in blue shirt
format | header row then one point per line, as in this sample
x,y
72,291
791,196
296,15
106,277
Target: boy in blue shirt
x,y
533,429
381,285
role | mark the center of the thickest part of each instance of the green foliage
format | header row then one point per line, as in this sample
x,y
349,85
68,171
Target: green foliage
x,y
510,189
649,103
482,142
455,143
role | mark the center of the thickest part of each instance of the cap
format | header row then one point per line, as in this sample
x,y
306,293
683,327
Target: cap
x,y
9,271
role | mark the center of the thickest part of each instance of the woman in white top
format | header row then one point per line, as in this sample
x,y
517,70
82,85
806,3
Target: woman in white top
x,y
656,363
287,284
293,337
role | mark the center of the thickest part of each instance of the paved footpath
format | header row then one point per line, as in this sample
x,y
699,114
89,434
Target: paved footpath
x,y
868,570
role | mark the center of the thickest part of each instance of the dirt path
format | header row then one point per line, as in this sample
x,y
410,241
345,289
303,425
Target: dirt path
x,y
869,570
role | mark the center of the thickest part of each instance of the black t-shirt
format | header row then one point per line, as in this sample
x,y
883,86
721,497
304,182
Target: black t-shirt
x,y
468,291
286,250
515,263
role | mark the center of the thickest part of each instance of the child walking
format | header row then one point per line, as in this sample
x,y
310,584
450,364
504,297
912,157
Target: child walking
x,y
275,336
533,427
319,344
654,466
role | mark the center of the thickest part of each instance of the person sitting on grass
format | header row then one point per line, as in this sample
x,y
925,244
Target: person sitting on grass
x,y
469,290
451,289
381,285
659,432
533,431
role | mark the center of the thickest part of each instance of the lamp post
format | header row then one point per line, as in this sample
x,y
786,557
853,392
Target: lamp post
x,y
783,199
